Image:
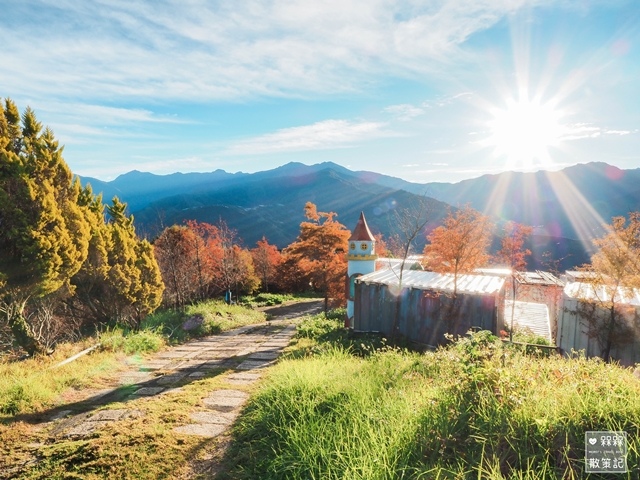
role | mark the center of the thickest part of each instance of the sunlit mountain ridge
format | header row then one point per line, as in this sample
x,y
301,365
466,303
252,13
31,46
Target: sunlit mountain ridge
x,y
566,207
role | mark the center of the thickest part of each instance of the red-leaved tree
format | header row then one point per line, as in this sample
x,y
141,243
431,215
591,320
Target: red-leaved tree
x,y
318,255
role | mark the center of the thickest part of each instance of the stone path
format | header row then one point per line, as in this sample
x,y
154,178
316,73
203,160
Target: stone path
x,y
245,351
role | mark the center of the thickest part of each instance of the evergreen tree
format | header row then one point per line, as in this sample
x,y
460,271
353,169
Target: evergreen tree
x,y
121,281
44,234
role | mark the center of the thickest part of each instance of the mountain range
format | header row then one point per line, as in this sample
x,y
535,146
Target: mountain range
x,y
567,208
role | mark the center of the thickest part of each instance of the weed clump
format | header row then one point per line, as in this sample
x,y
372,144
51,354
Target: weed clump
x,y
474,409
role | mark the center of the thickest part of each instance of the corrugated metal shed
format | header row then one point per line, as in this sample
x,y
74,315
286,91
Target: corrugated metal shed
x,y
538,278
573,329
442,282
412,262
495,272
581,290
532,316
425,309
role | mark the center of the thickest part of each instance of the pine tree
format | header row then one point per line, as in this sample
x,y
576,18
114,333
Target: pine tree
x,y
44,234
121,280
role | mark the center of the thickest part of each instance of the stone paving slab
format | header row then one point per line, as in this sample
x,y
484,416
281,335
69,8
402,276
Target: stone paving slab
x,y
217,418
264,355
211,364
59,415
253,364
171,378
135,377
148,391
208,430
86,424
243,378
225,400
171,354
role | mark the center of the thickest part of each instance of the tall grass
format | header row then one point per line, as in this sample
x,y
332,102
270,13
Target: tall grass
x,y
267,299
205,318
30,385
33,384
477,409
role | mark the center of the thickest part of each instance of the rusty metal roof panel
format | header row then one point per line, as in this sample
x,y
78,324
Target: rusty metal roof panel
x,y
472,284
538,278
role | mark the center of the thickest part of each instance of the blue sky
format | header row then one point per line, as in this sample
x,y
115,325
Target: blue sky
x,y
422,90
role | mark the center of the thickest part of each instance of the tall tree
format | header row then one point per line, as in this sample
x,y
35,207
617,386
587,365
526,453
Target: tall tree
x,y
459,246
121,280
266,259
514,255
181,261
134,275
319,254
221,263
612,278
205,249
409,223
91,302
44,234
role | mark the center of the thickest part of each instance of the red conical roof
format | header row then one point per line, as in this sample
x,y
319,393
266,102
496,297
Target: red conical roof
x,y
361,232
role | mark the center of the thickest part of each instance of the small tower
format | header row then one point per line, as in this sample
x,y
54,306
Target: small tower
x,y
361,260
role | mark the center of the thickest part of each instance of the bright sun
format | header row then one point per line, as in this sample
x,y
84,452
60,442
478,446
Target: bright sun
x,y
524,131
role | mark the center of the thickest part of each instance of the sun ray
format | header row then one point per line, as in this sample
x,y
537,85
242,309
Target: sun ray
x,y
586,222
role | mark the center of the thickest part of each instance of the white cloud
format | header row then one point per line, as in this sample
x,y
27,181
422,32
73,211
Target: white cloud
x,y
404,112
227,50
617,132
323,135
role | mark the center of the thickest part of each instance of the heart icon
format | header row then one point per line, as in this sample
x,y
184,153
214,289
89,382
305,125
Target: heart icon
x,y
593,441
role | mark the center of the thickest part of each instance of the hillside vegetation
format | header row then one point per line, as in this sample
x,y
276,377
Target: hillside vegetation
x,y
353,408
36,384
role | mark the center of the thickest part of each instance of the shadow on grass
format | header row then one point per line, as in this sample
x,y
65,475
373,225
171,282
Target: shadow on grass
x,y
153,382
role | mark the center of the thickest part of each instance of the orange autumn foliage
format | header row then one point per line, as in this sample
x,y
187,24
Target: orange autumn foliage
x,y
317,257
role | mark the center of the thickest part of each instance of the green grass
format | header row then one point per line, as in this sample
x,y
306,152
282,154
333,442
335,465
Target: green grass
x,y
139,448
130,342
34,384
267,299
31,385
205,318
477,409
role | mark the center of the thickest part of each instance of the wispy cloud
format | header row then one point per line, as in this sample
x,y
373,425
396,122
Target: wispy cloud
x,y
228,50
116,115
586,130
404,112
323,135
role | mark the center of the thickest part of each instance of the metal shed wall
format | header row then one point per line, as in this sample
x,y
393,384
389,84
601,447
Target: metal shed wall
x,y
572,336
421,312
